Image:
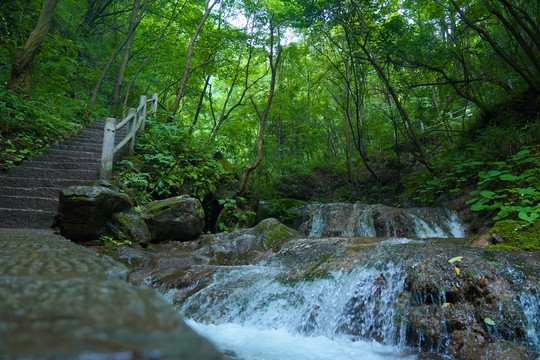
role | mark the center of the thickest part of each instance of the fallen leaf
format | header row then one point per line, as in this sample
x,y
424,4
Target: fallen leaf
x,y
35,256
489,321
449,304
456,269
454,259
483,281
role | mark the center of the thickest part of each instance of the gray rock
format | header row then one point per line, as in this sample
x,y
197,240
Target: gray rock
x,y
84,211
178,218
88,212
62,301
129,224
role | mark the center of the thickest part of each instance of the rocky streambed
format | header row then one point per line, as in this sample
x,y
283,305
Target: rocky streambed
x,y
390,297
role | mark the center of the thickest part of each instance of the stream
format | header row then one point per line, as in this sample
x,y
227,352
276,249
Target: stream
x,y
343,291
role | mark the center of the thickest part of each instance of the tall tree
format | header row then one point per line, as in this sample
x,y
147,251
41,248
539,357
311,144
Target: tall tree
x,y
209,5
109,63
133,22
273,59
21,71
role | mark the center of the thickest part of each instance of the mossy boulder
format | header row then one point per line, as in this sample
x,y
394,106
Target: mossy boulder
x,y
179,218
246,246
85,212
511,235
130,225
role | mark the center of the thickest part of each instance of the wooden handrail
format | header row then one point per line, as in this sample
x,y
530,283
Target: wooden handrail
x,y
135,122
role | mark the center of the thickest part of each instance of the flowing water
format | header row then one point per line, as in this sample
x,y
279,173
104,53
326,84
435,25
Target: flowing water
x,y
277,309
253,312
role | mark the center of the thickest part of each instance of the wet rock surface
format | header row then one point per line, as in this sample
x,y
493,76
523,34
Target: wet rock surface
x,y
59,300
452,300
87,212
179,218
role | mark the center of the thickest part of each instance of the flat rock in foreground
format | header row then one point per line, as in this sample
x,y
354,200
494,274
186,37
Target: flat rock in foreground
x,y
59,300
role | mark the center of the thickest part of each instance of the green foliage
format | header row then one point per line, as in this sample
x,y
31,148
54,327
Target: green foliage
x,y
234,215
109,242
426,187
28,126
170,163
512,187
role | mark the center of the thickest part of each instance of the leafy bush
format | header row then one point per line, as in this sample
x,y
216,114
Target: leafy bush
x,y
169,163
512,187
28,126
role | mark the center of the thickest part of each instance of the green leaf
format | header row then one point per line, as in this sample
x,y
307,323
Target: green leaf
x,y
454,259
489,321
509,177
527,191
524,216
488,194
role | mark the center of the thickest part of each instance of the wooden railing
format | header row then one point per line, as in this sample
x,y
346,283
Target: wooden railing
x,y
135,122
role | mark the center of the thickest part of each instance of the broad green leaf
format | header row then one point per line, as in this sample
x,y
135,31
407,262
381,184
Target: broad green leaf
x,y
454,259
489,321
487,194
524,216
527,191
509,177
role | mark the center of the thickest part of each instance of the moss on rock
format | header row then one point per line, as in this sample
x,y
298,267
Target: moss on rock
x,y
516,235
274,234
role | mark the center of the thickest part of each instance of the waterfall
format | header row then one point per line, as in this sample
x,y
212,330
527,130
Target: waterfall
x,y
380,221
393,293
335,314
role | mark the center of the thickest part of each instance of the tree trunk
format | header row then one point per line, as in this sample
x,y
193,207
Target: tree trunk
x,y
273,67
104,73
21,71
207,10
133,22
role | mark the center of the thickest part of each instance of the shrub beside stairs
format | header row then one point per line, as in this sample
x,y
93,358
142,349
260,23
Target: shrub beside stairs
x,y
29,192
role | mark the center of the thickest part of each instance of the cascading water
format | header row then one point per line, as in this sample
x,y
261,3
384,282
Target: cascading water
x,y
380,221
358,298
255,312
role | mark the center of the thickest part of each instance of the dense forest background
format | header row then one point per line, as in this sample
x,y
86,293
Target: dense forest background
x,y
399,102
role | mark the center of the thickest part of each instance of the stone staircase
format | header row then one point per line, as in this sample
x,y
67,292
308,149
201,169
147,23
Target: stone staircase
x,y
29,193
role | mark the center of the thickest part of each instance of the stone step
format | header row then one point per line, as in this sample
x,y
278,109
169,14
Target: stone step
x,y
25,218
72,142
85,139
64,158
48,192
28,202
25,182
38,172
78,147
54,165
74,153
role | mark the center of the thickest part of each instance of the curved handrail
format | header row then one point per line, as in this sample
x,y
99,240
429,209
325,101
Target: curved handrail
x,y
135,122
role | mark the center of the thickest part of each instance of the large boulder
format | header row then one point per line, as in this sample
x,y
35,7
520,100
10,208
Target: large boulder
x,y
88,212
179,218
246,246
84,211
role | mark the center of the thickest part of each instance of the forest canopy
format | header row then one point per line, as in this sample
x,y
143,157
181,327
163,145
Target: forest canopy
x,y
401,101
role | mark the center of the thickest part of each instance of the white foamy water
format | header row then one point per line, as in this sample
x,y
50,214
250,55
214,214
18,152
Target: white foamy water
x,y
254,312
249,343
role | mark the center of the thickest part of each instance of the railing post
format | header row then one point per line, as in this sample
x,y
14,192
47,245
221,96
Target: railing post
x,y
132,129
107,152
154,103
143,112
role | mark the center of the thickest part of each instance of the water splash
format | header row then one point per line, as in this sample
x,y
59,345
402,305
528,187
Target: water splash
x,y
247,342
351,307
